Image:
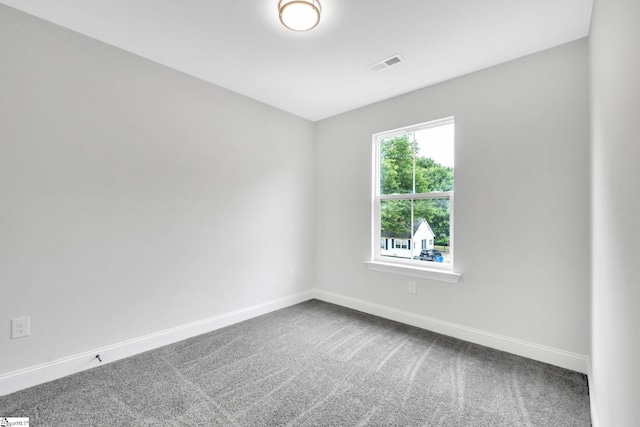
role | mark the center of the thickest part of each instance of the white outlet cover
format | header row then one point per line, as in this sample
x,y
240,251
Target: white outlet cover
x,y
20,327
412,287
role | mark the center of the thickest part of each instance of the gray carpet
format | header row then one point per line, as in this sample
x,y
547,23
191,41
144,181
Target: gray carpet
x,y
313,364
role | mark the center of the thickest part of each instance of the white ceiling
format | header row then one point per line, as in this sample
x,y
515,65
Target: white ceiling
x,y
241,45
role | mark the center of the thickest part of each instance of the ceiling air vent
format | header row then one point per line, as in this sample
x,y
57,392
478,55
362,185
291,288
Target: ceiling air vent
x,y
386,63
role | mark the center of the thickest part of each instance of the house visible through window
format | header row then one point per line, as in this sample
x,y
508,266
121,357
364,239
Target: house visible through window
x,y
414,194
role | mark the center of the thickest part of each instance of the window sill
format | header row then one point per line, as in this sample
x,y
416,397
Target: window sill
x,y
407,270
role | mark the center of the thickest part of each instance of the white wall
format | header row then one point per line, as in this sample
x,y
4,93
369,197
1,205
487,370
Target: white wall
x,y
521,200
128,191
615,112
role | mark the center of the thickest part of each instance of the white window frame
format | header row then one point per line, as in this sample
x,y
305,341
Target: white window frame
x,y
408,267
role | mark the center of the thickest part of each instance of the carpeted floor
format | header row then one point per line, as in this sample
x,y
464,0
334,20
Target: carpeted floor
x,y
313,364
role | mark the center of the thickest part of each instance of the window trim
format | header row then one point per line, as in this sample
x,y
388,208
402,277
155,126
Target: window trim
x,y
448,276
402,266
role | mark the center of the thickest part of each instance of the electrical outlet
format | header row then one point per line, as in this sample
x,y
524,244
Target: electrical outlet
x,y
20,327
412,287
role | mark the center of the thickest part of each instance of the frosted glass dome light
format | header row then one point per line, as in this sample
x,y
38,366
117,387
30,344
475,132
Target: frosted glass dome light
x,y
299,15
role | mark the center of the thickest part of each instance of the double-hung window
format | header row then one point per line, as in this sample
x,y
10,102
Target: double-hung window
x,y
413,196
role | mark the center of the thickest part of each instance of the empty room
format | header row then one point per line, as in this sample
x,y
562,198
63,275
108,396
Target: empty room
x,y
319,213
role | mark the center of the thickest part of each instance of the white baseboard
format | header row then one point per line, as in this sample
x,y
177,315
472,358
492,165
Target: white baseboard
x,y
595,421
553,356
24,378
28,377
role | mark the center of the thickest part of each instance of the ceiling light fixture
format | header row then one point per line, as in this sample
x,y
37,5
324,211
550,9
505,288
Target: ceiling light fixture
x,y
299,15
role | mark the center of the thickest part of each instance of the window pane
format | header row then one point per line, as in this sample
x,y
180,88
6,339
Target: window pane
x,y
434,159
396,164
433,216
396,228
417,162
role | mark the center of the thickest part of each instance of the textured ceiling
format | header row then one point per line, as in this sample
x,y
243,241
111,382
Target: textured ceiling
x,y
241,45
